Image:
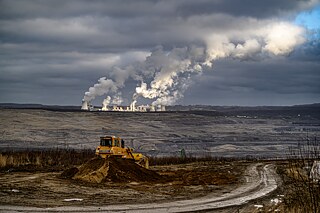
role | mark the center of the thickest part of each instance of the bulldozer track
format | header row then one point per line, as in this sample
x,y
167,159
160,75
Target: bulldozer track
x,y
260,181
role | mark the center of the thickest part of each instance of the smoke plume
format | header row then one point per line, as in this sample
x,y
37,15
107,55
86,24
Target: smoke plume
x,y
105,103
164,76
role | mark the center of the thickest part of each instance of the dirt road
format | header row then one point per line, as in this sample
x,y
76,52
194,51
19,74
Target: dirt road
x,y
260,181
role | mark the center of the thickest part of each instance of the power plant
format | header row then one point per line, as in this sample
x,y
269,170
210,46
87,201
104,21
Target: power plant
x,y
86,106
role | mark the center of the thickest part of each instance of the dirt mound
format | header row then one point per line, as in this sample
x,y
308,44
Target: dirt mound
x,y
98,170
69,173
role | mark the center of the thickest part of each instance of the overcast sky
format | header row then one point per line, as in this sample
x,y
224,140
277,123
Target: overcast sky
x,y
230,52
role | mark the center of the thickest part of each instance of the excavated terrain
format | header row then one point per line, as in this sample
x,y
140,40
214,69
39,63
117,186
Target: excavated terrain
x,y
257,133
115,181
99,170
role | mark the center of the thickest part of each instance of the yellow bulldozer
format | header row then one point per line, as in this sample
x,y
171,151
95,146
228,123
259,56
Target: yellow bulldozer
x,y
111,146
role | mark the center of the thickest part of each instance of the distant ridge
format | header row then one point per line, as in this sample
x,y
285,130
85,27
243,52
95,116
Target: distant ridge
x,y
38,106
314,106
239,108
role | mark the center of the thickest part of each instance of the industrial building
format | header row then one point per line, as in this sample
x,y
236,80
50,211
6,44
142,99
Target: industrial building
x,y
86,106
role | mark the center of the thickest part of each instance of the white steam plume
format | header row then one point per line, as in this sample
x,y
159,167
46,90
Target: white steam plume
x,y
164,76
106,103
274,38
103,86
109,86
170,72
117,99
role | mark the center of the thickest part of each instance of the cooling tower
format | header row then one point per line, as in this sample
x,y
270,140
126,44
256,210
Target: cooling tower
x,y
84,105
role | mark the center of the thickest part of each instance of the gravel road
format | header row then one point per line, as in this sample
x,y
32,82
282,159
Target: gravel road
x,y
260,181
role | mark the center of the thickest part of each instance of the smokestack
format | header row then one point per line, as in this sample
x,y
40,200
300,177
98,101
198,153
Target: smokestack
x,y
84,105
163,108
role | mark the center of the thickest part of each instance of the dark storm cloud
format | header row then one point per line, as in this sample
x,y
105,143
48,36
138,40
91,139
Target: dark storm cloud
x,y
269,82
63,47
120,25
258,8
140,8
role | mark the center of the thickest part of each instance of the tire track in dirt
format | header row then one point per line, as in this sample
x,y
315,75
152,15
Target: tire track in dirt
x,y
260,181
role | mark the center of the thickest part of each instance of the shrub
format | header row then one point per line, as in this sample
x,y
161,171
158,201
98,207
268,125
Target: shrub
x,y
302,193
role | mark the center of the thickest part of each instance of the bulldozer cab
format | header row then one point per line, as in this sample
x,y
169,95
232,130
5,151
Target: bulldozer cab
x,y
105,141
111,142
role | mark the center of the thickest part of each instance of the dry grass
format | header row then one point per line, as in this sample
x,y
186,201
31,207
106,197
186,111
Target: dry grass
x,y
173,160
302,193
49,160
60,159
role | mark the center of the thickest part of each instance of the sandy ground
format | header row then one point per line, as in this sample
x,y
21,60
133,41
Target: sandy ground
x,y
43,192
187,181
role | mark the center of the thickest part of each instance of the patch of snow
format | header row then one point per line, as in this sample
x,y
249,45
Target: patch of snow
x,y
258,206
73,199
15,190
276,201
134,183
